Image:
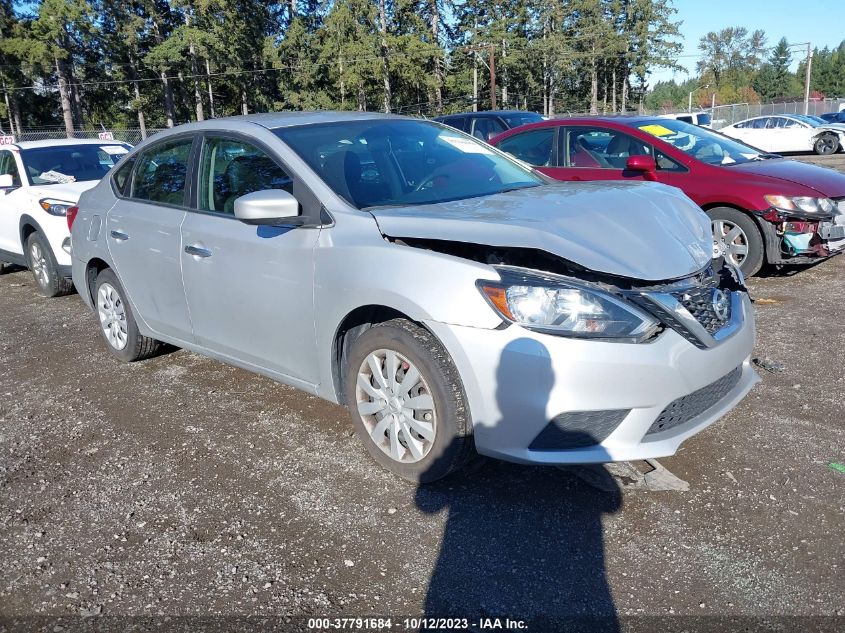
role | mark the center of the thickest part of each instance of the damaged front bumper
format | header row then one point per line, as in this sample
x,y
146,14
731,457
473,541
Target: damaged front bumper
x,y
802,238
539,398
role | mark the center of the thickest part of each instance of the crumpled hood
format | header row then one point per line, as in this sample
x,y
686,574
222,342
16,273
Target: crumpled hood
x,y
646,231
67,191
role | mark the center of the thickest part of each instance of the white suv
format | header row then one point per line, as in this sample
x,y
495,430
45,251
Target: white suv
x,y
39,182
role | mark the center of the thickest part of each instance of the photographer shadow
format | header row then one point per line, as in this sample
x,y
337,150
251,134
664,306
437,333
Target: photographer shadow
x,y
522,542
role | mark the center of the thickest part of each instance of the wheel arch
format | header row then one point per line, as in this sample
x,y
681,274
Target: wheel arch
x,y
758,221
93,268
355,323
26,227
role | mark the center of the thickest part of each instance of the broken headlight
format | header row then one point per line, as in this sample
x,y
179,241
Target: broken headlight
x,y
807,204
566,308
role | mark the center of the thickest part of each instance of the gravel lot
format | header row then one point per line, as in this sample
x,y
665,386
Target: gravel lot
x,y
181,486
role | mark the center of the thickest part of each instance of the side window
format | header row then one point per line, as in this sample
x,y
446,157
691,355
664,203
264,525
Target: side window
x,y
230,169
162,172
486,128
759,124
121,176
535,147
601,148
685,119
9,167
664,163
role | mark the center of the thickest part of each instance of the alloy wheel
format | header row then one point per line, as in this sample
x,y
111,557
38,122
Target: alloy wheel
x,y
38,263
826,144
112,314
396,406
730,240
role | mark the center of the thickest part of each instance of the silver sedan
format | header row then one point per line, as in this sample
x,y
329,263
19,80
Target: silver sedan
x,y
452,298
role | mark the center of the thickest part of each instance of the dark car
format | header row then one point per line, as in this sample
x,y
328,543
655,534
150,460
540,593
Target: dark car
x,y
833,117
487,124
763,208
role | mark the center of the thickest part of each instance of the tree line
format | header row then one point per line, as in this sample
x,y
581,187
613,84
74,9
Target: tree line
x,y
738,66
156,63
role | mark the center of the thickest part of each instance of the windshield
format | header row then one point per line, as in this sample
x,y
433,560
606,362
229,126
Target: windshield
x,y
809,119
396,162
700,143
521,118
70,163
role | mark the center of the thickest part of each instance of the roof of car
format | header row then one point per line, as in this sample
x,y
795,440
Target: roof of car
x,y
484,112
272,120
59,142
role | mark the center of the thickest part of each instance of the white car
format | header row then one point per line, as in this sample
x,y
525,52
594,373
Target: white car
x,y
789,133
701,119
39,182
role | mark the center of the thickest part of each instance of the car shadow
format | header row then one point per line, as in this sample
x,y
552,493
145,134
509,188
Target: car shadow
x,y
769,271
522,542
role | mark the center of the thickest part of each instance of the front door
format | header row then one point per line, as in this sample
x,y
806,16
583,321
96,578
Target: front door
x,y
144,239
12,200
598,153
250,288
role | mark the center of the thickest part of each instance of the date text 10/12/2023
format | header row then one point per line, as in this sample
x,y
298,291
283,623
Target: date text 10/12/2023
x,y
416,623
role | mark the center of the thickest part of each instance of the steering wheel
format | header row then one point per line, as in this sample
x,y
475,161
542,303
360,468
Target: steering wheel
x,y
442,173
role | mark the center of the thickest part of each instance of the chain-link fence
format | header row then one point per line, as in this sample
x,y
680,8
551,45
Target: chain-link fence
x,y
132,136
729,114
722,115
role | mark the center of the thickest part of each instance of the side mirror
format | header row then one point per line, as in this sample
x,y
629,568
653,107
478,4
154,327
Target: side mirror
x,y
269,206
6,181
641,163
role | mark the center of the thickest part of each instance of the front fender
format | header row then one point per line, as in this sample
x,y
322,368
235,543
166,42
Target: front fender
x,y
424,285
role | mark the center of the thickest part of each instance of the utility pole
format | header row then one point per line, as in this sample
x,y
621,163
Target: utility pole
x,y
492,53
491,65
807,79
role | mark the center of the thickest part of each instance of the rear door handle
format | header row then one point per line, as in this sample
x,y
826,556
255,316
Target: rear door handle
x,y
120,236
197,251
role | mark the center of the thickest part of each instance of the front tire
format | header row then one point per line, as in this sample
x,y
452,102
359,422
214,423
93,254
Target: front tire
x,y
407,402
42,264
736,234
117,323
826,144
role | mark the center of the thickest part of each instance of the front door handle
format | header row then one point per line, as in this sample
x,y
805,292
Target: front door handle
x,y
120,236
197,251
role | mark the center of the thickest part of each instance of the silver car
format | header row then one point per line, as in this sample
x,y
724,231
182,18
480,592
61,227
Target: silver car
x,y
452,298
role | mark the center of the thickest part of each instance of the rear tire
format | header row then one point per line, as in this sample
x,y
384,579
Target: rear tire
x,y
117,323
42,264
737,235
826,144
407,402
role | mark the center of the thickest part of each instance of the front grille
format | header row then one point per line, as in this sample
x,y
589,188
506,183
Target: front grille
x,y
699,302
694,404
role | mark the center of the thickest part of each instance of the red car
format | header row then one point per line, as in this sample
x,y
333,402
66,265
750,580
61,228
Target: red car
x,y
764,208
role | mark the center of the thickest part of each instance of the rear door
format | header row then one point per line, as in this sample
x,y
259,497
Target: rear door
x,y
144,236
535,147
250,288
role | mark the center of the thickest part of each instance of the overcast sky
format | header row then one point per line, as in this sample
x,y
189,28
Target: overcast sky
x,y
821,22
